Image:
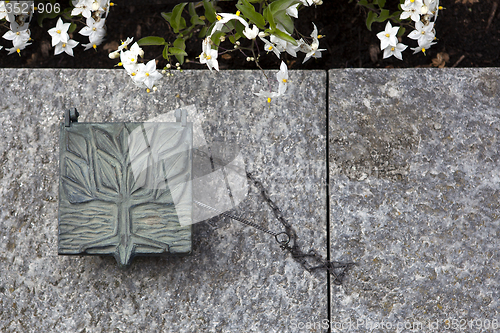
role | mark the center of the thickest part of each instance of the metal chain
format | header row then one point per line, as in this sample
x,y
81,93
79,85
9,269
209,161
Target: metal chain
x,y
310,261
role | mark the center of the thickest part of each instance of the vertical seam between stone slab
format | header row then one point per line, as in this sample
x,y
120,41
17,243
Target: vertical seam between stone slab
x,y
327,156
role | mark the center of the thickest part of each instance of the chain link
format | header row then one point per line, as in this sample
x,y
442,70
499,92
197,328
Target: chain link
x,y
287,240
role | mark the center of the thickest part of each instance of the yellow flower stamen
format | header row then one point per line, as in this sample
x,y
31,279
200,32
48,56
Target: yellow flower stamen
x,y
64,45
270,47
94,28
18,33
423,32
147,74
94,46
219,17
209,57
269,99
393,48
320,36
58,31
120,64
132,59
238,13
387,35
111,4
285,80
412,1
148,91
423,50
18,51
133,74
440,7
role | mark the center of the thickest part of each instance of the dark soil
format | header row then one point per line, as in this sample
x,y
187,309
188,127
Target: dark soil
x,y
467,33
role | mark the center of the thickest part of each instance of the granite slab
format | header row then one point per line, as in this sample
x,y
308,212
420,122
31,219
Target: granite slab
x,y
236,280
414,166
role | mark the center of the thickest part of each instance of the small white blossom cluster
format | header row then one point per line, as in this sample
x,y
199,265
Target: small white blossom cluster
x,y
424,14
282,77
95,12
19,33
143,75
274,44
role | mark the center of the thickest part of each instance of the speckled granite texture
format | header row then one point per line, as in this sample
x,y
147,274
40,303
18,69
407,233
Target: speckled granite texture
x,y
415,197
236,280
414,200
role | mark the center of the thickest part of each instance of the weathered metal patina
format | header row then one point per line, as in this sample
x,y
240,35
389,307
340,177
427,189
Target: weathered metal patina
x,y
125,188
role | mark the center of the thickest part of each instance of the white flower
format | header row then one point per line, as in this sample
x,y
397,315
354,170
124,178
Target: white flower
x,y
60,32
282,77
293,11
148,74
307,2
411,9
422,48
125,43
284,45
432,8
388,36
395,51
311,50
18,46
3,12
208,55
65,47
251,33
18,37
223,18
412,4
268,46
94,29
82,7
129,58
422,33
269,95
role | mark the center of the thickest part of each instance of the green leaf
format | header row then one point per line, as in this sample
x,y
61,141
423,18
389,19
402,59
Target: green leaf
x,y
167,17
151,40
43,16
239,27
401,31
384,15
176,51
209,11
192,10
280,5
165,52
180,43
285,20
177,21
284,36
203,32
72,27
216,37
249,12
369,20
269,17
195,20
381,3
